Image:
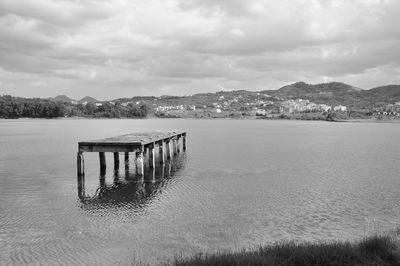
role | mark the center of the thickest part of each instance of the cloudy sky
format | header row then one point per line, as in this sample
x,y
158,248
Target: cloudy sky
x,y
121,48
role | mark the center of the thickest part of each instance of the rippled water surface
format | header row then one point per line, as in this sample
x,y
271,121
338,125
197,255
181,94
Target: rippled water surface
x,y
241,183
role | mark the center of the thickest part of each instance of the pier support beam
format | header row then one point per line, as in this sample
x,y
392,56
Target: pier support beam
x,y
174,146
139,163
145,152
177,145
184,142
80,162
102,158
151,156
116,160
81,187
168,148
161,152
126,162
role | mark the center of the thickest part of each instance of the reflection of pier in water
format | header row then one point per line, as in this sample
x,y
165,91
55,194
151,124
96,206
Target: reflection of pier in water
x,y
128,187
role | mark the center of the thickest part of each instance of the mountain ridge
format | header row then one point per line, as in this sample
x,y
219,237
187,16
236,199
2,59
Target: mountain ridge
x,y
335,93
64,98
331,93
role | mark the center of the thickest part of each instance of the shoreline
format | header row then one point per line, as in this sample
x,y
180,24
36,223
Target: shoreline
x,y
373,250
366,120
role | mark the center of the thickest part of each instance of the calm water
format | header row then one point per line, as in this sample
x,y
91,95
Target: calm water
x,y
239,184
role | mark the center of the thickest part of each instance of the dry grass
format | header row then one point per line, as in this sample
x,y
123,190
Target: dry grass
x,y
375,250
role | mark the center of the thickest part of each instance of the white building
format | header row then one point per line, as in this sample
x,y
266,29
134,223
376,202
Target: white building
x,y
324,107
340,108
261,112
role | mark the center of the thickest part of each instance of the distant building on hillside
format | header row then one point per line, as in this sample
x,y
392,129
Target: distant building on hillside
x,y
169,108
261,112
340,108
392,107
325,108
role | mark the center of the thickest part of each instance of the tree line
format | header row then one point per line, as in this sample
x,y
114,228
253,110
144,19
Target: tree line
x,y
16,107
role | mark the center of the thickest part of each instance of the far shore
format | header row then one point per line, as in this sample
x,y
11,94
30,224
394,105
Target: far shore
x,y
371,120
366,120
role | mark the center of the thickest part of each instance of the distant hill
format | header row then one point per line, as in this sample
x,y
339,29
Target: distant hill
x,y
335,93
62,98
332,93
383,95
88,99
303,89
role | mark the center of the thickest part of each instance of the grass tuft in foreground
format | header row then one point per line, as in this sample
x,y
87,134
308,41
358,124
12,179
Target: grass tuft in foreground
x,y
375,250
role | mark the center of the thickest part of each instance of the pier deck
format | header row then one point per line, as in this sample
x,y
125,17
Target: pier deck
x,y
139,143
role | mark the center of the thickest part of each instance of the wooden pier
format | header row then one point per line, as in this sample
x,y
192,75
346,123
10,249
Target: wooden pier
x,y
141,144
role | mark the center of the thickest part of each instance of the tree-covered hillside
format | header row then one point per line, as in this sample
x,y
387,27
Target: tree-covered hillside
x,y
15,107
332,94
336,93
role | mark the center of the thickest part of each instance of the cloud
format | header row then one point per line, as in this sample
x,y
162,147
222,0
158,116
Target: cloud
x,y
182,47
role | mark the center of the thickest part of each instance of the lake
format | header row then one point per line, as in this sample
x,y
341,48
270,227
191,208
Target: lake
x,y
240,184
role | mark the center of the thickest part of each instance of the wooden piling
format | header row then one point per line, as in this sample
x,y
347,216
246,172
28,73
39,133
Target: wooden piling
x,y
81,186
174,146
145,152
168,148
102,158
116,160
151,156
80,164
177,144
184,142
139,162
126,157
161,152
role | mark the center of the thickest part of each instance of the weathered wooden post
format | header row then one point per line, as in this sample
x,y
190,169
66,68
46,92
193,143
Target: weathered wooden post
x,y
116,160
139,162
80,164
81,186
149,176
151,156
177,144
174,146
145,151
126,162
184,141
168,147
102,179
161,152
102,158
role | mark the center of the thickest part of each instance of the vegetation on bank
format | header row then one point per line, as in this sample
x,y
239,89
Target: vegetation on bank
x,y
381,103
375,250
17,107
